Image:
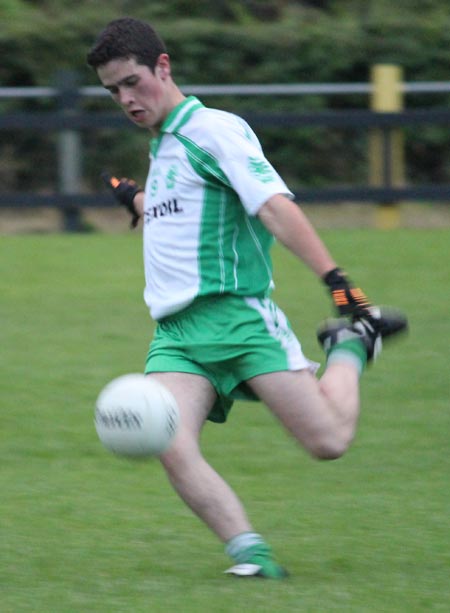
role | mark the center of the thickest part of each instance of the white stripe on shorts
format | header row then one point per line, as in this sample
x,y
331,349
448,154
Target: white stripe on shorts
x,y
278,327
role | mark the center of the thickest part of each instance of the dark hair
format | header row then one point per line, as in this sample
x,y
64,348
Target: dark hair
x,y
127,38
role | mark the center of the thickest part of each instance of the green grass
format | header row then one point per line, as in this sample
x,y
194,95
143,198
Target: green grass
x,y
83,531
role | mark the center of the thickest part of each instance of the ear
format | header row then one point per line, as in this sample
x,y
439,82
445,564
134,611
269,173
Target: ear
x,y
162,67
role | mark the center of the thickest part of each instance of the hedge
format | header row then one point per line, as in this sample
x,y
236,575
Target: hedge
x,y
232,45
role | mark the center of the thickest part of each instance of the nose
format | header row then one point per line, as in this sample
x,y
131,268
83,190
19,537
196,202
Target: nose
x,y
125,97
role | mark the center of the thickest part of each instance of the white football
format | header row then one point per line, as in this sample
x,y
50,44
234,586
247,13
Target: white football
x,y
136,416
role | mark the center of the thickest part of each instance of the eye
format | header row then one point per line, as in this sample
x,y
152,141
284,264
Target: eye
x,y
131,82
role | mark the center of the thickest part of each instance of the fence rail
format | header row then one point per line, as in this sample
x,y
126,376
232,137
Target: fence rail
x,y
69,120
272,89
356,118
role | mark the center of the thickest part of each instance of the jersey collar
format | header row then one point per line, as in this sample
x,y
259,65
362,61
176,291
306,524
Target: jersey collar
x,y
180,114
177,117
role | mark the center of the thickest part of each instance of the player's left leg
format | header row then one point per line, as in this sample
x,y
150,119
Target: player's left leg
x,y
323,414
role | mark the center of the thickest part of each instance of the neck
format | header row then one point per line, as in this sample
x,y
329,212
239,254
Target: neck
x,y
174,98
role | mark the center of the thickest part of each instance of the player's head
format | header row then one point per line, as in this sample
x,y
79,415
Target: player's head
x,y
132,63
127,38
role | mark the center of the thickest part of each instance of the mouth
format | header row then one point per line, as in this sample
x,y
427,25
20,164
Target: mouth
x,y
138,115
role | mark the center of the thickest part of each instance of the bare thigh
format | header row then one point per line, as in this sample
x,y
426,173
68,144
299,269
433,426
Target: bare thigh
x,y
195,397
308,411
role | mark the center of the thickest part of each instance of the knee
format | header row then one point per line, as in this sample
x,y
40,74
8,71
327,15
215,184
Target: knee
x,y
173,458
329,449
180,456
327,453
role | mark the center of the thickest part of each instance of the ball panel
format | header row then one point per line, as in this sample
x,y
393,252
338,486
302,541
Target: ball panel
x,y
136,416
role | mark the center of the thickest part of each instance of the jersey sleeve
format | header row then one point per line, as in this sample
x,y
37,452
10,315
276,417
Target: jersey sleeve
x,y
238,152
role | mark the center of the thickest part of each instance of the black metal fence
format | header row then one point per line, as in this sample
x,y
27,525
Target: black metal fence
x,y
69,121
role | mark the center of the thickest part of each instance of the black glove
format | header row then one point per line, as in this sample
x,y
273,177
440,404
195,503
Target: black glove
x,y
348,299
124,191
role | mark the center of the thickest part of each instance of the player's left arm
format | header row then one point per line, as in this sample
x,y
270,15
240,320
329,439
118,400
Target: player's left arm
x,y
287,222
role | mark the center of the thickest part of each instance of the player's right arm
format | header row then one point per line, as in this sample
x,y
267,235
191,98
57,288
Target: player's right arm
x,y
138,203
128,193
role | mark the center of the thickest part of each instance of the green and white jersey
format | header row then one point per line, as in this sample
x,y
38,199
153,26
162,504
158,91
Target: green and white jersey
x,y
208,178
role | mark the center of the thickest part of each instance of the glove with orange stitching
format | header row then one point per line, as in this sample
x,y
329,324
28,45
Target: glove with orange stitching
x,y
348,299
124,191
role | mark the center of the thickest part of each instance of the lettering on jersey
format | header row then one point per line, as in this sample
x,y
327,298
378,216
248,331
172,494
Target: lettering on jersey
x,y
170,207
261,169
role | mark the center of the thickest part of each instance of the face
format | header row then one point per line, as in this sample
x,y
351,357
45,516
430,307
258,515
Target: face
x,y
144,96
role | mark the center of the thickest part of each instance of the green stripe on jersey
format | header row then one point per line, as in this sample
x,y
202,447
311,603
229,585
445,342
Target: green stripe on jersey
x,y
232,244
183,114
175,120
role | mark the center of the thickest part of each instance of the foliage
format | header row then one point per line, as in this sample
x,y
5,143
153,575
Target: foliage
x,y
242,41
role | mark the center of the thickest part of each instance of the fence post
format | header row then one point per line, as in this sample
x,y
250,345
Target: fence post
x,y
69,150
386,148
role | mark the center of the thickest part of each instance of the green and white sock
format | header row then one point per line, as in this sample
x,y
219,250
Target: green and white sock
x,y
352,351
241,545
250,550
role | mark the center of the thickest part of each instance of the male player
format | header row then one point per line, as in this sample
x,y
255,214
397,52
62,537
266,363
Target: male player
x,y
211,207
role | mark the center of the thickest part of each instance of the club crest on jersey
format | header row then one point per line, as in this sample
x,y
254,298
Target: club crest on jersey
x,y
154,187
261,169
163,209
171,177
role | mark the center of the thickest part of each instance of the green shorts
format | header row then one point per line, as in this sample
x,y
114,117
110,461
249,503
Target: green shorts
x,y
227,339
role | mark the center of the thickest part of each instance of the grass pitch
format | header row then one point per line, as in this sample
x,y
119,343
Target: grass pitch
x,y
83,531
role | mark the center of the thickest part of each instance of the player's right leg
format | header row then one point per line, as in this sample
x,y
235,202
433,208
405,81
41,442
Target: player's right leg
x,y
181,356
196,482
203,489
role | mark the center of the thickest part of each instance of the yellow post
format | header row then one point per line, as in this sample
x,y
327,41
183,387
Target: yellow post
x,y
387,97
